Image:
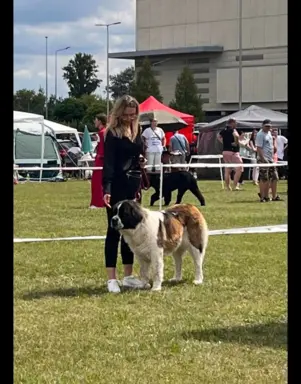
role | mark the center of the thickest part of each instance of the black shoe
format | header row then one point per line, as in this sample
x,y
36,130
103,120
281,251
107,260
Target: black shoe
x,y
277,198
265,198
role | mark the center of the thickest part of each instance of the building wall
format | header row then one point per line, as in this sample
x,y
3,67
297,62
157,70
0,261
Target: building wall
x,y
165,24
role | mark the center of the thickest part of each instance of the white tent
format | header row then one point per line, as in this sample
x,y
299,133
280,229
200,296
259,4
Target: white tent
x,y
24,117
57,129
29,118
250,117
32,124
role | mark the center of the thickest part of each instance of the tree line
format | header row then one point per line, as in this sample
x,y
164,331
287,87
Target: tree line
x,y
82,103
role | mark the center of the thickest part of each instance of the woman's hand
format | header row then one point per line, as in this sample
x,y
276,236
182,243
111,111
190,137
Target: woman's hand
x,y
142,162
107,200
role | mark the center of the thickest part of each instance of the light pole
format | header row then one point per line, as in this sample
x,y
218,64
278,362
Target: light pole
x,y
108,69
55,70
46,80
240,55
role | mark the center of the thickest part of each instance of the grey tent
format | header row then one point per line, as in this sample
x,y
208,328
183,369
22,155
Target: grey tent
x,y
247,119
250,118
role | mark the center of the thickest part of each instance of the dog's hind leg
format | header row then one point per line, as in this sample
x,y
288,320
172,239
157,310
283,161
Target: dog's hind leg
x,y
194,189
177,256
181,192
198,258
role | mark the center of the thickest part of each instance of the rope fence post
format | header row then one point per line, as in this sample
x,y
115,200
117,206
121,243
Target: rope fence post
x,y
161,186
221,172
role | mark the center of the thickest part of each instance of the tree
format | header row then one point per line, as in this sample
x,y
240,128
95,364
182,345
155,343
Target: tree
x,y
28,100
93,105
187,99
69,110
146,84
81,75
122,83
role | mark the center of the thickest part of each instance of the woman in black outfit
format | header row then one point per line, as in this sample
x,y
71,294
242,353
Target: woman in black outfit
x,y
123,160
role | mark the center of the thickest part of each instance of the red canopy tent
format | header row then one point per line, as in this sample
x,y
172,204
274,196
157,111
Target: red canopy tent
x,y
153,104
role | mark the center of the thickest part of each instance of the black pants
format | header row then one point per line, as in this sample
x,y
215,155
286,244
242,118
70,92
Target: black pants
x,y
111,246
123,188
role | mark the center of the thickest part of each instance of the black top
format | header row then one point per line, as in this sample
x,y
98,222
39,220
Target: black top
x,y
228,139
252,141
120,156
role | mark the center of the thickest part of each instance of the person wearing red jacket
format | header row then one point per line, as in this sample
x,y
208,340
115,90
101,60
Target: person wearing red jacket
x,y
96,180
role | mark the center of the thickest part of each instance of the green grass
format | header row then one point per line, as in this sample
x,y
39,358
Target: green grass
x,y
68,330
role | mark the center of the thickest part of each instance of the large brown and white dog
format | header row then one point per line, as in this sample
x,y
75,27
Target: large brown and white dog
x,y
151,235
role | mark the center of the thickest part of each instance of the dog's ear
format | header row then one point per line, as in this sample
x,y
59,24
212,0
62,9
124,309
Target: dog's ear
x,y
132,214
114,209
136,210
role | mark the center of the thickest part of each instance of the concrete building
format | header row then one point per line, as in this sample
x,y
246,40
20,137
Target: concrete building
x,y
204,34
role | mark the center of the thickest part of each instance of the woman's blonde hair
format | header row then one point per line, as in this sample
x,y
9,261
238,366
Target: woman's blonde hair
x,y
115,122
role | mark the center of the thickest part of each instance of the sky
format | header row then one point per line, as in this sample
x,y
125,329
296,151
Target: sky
x,y
68,23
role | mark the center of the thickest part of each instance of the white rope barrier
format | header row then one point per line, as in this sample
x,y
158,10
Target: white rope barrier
x,y
57,168
234,231
190,165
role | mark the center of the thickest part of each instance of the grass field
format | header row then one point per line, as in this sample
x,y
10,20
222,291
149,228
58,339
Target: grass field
x,y
68,330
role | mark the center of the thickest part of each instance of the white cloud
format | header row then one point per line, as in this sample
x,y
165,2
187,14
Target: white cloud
x,y
34,76
81,35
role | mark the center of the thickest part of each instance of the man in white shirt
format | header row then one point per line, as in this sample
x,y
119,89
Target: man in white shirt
x,y
154,141
281,146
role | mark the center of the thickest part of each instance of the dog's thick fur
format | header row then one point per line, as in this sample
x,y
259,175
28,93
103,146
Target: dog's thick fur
x,y
180,180
152,235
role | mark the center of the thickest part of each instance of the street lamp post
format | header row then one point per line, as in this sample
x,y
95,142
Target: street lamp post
x,y
108,69
240,56
46,80
55,70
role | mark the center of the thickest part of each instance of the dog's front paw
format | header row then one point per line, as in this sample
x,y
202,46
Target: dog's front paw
x,y
198,282
203,203
156,288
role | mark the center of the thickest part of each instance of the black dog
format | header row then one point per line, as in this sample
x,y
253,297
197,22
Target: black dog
x,y
180,180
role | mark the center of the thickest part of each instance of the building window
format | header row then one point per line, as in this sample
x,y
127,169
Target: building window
x,y
202,81
250,57
205,101
202,60
203,90
199,70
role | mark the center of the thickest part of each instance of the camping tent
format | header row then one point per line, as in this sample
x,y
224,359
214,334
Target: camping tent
x,y
151,104
247,119
33,143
